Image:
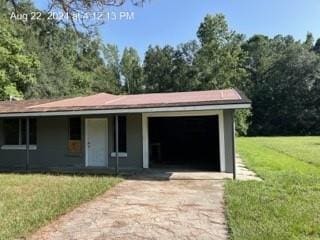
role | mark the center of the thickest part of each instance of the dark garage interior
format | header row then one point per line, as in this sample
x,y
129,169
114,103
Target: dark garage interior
x,y
184,142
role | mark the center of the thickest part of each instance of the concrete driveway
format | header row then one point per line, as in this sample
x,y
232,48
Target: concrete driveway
x,y
155,206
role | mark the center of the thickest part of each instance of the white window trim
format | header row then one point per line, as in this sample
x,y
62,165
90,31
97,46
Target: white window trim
x,y
18,147
145,131
121,154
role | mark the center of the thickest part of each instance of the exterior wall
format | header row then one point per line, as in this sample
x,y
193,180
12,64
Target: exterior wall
x,y
8,159
228,139
134,143
52,146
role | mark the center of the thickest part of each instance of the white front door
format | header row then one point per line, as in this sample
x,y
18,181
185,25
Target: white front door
x,y
96,142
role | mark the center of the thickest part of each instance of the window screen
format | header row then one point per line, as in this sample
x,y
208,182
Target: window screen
x,y
16,131
33,131
11,131
122,134
75,129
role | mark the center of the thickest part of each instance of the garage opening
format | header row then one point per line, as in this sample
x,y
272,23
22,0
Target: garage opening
x,y
184,142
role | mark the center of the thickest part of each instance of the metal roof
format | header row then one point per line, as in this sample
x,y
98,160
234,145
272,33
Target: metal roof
x,y
105,101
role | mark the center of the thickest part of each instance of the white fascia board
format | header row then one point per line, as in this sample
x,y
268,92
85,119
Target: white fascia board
x,y
133,110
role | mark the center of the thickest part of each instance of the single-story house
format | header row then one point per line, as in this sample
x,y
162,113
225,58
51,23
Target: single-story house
x,y
105,131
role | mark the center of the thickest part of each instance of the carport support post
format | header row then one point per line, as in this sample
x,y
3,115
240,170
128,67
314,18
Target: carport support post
x,y
27,144
233,148
117,143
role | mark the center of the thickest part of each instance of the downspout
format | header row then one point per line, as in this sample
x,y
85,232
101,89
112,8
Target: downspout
x,y
233,148
27,144
117,143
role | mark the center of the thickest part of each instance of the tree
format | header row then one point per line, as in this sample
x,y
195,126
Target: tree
x,y
220,60
316,47
184,72
158,68
309,41
112,58
107,71
70,63
282,99
61,71
17,68
168,69
131,71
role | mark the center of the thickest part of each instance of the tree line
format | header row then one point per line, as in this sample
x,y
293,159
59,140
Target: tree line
x,y
281,75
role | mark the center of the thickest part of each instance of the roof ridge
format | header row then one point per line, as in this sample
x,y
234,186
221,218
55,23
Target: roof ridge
x,y
119,97
66,99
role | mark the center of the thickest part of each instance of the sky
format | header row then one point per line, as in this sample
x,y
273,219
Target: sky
x,y
161,22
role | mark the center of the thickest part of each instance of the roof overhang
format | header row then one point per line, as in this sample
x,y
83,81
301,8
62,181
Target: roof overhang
x,y
126,110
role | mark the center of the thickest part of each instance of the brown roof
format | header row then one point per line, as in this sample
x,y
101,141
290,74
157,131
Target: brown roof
x,y
103,101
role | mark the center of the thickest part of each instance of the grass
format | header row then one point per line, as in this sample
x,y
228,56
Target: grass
x,y
304,148
28,202
286,205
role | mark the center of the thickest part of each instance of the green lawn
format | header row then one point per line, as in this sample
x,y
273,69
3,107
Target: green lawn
x,y
28,202
304,148
286,205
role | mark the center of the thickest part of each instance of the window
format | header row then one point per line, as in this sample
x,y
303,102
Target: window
x,y
75,128
11,131
74,144
33,131
15,131
122,126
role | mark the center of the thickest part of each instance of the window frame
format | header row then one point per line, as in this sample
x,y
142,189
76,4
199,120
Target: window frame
x,y
121,152
20,145
69,129
75,146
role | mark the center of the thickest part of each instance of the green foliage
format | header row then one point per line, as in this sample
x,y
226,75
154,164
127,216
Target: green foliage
x,y
171,70
220,60
158,68
112,71
284,77
17,67
131,70
241,118
69,63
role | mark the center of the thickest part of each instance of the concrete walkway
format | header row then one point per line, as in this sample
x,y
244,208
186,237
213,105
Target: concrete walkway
x,y
155,204
147,209
243,173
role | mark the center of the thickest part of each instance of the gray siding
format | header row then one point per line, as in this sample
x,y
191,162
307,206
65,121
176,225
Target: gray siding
x,y
52,146
52,152
134,143
10,159
228,138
